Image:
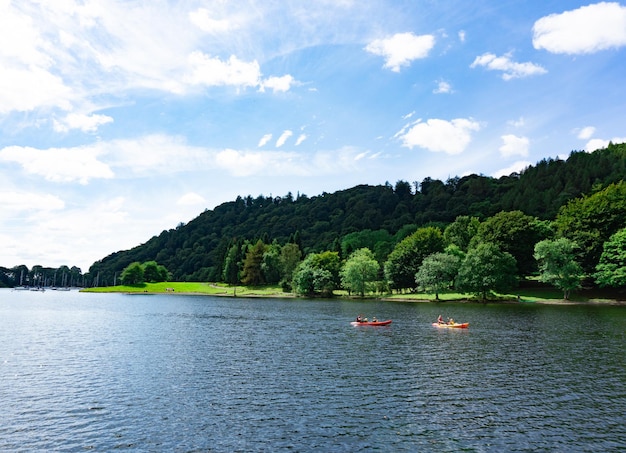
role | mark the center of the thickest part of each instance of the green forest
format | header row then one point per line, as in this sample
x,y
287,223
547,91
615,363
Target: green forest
x,y
560,220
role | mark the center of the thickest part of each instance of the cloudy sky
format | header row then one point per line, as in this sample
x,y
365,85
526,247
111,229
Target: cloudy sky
x,y
119,119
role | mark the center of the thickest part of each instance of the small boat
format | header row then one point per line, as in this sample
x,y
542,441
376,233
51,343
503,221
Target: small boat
x,y
454,325
371,323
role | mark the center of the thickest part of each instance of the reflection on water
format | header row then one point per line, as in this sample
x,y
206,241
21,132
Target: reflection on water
x,y
182,373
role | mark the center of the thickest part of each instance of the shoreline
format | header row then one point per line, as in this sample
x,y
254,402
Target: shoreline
x,y
244,294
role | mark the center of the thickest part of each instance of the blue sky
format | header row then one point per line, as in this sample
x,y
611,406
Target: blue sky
x,y
119,119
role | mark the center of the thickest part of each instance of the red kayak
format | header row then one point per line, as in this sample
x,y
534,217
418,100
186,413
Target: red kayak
x,y
371,323
455,325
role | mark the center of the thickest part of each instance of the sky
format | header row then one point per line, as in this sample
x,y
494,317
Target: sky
x,y
121,119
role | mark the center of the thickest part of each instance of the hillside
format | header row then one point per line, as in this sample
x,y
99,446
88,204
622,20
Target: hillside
x,y
195,251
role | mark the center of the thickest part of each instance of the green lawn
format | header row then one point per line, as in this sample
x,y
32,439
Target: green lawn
x,y
191,288
533,294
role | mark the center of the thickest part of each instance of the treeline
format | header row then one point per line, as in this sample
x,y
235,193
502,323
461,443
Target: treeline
x,y
199,250
585,243
39,276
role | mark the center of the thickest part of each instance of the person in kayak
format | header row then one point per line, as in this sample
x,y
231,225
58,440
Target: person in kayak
x,y
440,319
359,318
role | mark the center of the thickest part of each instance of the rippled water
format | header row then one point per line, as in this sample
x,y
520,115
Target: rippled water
x,y
183,373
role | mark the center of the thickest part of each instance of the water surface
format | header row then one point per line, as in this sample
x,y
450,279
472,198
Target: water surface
x,y
198,373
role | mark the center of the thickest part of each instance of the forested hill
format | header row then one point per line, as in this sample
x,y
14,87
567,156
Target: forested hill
x,y
196,251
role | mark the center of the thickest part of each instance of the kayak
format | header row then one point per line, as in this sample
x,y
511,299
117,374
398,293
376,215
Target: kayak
x,y
455,325
371,323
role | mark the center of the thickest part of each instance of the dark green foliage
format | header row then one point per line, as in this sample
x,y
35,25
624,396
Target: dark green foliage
x,y
591,220
514,232
406,258
252,265
199,250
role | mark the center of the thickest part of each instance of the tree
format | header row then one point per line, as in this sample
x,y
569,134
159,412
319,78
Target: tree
x,y
231,265
438,271
359,271
290,256
486,268
516,233
252,272
152,272
590,221
317,274
133,274
406,258
558,265
611,270
461,231
271,264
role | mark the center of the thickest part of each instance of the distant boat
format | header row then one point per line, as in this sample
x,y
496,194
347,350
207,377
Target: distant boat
x,y
21,287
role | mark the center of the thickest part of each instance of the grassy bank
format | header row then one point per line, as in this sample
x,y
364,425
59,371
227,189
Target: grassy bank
x,y
545,295
212,289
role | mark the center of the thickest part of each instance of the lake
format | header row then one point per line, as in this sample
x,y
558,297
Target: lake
x,y
107,372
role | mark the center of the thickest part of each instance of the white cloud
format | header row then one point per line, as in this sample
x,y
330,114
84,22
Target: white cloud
x,y
283,138
513,145
190,199
264,140
203,20
211,71
278,84
249,163
462,36
86,123
442,88
586,132
154,154
301,138
517,123
584,30
510,69
598,143
28,201
27,89
451,137
59,164
401,49
517,167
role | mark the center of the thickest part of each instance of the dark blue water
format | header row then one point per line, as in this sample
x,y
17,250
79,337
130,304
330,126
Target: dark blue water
x,y
182,373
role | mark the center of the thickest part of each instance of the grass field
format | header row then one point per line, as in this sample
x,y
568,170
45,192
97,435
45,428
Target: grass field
x,y
541,294
215,289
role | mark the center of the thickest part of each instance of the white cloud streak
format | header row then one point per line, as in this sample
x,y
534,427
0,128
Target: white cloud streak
x,y
264,140
283,138
510,69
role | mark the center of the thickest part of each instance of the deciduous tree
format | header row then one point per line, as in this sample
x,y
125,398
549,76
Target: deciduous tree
x,y
486,268
438,272
611,270
133,274
360,271
406,258
558,265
